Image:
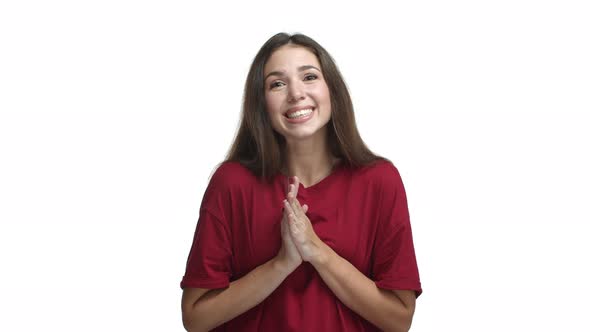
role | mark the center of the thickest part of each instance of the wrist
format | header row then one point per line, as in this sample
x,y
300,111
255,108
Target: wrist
x,y
323,256
283,267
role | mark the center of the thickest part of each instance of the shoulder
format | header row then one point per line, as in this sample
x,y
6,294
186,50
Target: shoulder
x,y
382,172
230,174
382,179
229,179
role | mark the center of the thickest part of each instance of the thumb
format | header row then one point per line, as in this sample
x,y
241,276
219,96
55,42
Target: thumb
x,y
305,208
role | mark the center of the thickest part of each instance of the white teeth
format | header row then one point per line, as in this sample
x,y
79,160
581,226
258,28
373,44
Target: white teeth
x,y
299,113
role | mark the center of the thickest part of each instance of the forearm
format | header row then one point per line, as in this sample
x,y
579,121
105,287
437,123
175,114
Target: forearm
x,y
360,294
221,305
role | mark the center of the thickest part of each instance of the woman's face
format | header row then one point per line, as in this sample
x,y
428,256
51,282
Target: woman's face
x,y
297,96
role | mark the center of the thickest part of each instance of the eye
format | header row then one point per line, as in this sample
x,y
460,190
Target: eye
x,y
275,84
311,76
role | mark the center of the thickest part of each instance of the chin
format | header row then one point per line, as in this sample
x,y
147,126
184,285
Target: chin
x,y
302,134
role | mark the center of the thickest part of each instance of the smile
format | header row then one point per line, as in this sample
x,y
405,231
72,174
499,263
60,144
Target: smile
x,y
300,113
300,116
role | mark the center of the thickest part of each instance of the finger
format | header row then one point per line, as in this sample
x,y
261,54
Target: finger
x,y
293,224
305,208
288,209
292,214
295,205
282,225
289,187
296,185
285,223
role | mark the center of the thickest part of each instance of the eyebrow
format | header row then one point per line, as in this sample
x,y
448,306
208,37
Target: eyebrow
x,y
282,73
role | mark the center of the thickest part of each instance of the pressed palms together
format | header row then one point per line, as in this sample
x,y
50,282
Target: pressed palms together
x,y
300,242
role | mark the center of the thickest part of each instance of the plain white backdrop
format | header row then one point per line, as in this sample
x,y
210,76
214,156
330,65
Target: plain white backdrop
x,y
113,115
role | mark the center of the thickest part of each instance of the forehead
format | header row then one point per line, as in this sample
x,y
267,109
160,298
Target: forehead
x,y
289,57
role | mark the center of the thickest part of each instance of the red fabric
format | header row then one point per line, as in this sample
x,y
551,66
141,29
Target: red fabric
x,y
362,214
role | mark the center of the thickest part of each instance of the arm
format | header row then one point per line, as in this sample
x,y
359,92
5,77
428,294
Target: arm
x,y
203,310
388,310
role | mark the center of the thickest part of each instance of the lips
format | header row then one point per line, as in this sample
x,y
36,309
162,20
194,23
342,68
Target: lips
x,y
300,119
295,109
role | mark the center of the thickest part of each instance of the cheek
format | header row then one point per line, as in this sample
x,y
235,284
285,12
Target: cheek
x,y
324,98
272,104
323,93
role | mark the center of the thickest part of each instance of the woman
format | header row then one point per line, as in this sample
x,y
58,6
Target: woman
x,y
302,227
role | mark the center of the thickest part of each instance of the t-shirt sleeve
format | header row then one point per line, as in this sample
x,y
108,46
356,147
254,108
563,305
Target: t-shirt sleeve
x,y
395,265
209,261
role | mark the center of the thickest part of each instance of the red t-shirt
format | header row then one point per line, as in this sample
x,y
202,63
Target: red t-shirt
x,y
362,214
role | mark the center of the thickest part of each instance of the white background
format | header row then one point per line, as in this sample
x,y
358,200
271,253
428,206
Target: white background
x,y
113,115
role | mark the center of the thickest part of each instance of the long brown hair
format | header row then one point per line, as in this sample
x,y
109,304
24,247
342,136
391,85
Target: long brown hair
x,y
260,148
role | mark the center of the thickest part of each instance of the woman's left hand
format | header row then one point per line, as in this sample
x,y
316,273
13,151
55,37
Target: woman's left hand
x,y
307,242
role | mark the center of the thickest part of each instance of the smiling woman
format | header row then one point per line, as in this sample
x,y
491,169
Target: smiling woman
x,y
297,97
302,227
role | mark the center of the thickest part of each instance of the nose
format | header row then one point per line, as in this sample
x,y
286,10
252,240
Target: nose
x,y
296,92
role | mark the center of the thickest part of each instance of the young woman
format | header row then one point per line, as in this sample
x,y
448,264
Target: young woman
x,y
302,227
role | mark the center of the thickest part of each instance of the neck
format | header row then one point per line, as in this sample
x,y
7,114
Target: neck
x,y
310,159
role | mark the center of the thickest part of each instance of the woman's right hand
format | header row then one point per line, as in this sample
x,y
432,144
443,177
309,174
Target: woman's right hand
x,y
288,255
